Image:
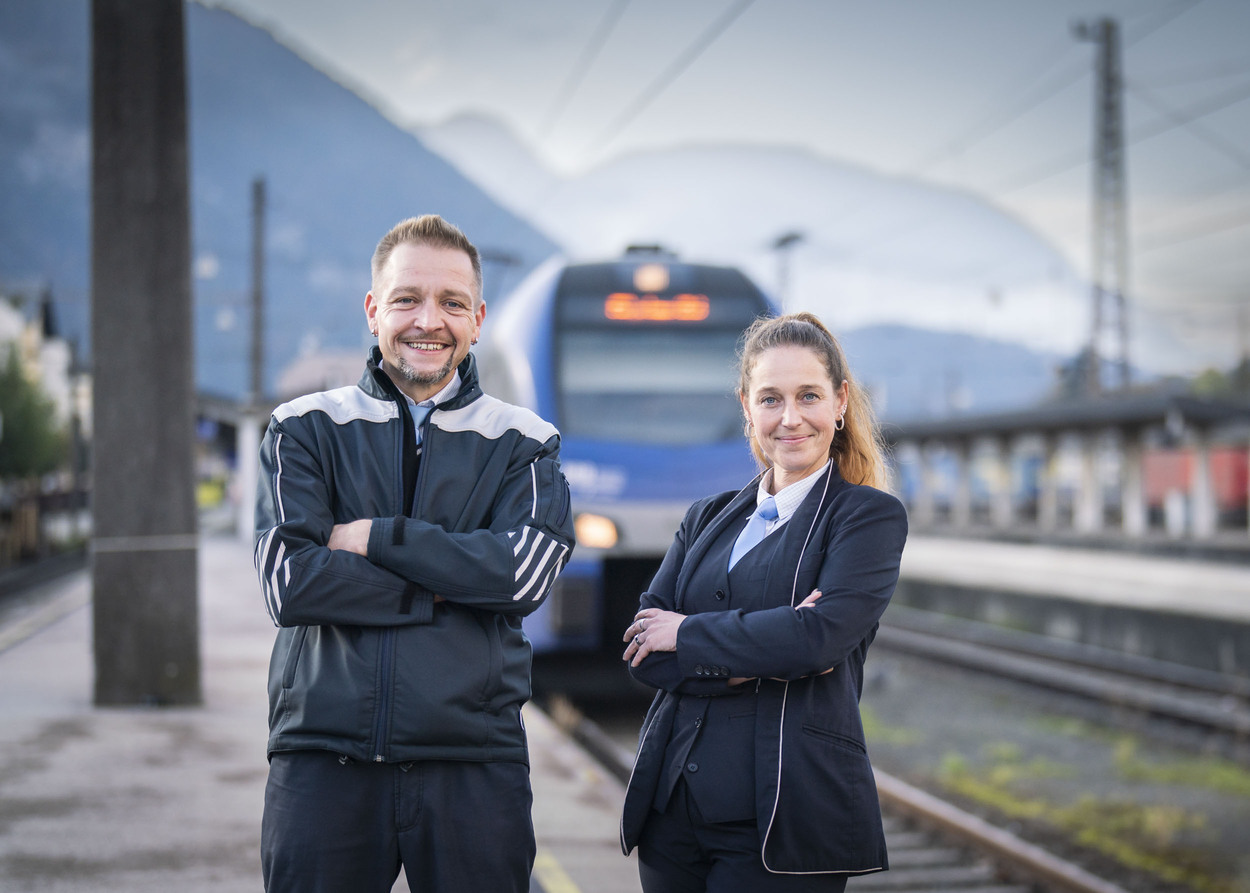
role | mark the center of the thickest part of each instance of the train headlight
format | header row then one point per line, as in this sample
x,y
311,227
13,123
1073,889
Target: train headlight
x,y
594,531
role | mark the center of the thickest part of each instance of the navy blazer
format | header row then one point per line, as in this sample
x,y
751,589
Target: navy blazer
x,y
816,799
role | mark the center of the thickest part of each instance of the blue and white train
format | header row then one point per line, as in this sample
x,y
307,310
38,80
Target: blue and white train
x,y
634,361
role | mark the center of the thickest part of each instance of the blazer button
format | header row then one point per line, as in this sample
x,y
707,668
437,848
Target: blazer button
x,y
724,671
698,670
693,767
720,595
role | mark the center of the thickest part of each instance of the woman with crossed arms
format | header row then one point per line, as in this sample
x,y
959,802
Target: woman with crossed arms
x,y
751,774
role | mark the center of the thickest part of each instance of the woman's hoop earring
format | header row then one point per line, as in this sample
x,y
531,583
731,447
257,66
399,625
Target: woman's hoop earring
x,y
839,423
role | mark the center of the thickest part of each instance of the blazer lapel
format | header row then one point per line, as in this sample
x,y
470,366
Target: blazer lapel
x,y
705,537
782,578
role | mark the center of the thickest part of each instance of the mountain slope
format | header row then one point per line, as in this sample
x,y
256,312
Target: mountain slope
x,y
338,175
45,150
919,373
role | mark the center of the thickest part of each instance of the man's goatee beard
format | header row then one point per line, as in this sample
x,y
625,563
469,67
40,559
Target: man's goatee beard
x,y
416,377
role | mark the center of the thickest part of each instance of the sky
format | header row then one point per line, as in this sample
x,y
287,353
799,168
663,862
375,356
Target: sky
x,y
994,98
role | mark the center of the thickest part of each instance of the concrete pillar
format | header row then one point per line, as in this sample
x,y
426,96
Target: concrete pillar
x,y
910,455
144,551
1089,514
961,507
923,509
1133,484
1002,511
1204,511
1048,483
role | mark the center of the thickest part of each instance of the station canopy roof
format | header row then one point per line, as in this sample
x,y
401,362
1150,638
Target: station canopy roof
x,y
1132,411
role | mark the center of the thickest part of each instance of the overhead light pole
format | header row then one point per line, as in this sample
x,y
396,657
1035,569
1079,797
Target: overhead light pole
x,y
783,245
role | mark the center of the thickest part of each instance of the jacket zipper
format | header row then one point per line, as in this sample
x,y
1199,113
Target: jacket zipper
x,y
386,646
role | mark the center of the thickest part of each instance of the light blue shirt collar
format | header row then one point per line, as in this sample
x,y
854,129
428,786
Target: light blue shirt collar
x,y
420,410
450,389
789,498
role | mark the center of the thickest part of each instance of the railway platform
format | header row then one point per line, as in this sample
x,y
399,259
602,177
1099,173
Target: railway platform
x,y
107,799
1183,610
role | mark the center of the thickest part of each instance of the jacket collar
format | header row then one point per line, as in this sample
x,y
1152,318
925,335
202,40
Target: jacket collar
x,y
377,383
795,534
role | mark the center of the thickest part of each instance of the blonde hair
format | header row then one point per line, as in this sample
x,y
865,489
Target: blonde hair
x,y
858,448
428,229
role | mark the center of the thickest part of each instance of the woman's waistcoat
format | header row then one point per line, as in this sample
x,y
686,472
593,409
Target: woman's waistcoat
x,y
815,796
713,745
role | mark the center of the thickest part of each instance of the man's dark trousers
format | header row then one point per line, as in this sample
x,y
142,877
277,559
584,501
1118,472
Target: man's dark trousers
x,y
334,825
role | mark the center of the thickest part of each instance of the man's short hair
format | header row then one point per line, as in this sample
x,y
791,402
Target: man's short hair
x,y
428,229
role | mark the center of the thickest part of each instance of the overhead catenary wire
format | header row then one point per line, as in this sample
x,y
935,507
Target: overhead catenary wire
x,y
1165,17
1003,114
581,67
1070,160
1198,74
1212,227
684,60
1012,106
1211,138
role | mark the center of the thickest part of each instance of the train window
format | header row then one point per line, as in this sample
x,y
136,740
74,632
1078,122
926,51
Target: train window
x,y
649,386
645,353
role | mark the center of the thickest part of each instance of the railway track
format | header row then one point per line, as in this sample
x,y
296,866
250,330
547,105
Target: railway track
x,y
936,846
933,845
1184,700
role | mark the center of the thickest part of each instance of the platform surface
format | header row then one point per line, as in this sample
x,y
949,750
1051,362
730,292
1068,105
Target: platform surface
x,y
104,800
135,800
1128,579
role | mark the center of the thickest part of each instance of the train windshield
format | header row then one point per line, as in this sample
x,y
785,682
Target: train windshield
x,y
652,368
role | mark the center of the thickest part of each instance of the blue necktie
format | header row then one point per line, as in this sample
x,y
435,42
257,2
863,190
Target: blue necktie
x,y
757,526
418,413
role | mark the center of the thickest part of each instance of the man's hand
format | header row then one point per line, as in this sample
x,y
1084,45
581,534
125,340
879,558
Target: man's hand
x,y
353,537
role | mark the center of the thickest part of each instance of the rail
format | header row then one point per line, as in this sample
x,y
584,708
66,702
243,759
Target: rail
x,y
1208,702
931,842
